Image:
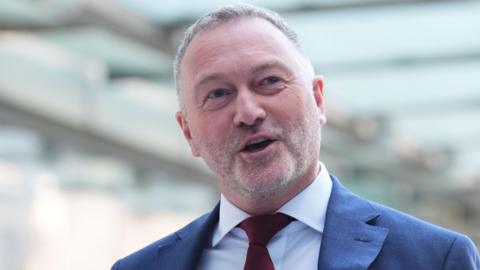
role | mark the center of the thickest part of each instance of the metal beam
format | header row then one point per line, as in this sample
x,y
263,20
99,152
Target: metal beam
x,y
96,143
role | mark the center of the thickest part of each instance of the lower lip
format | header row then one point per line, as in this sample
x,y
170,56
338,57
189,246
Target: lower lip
x,y
252,156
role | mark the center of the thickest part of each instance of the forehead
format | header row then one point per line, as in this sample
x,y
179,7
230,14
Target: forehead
x,y
243,38
241,29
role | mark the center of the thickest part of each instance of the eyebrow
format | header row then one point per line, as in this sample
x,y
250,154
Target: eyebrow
x,y
210,77
258,69
271,64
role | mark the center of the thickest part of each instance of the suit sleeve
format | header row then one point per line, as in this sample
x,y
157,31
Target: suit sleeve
x,y
116,266
463,255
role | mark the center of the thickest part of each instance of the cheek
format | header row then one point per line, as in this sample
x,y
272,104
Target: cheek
x,y
291,105
211,129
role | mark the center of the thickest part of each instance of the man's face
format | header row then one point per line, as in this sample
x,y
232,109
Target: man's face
x,y
253,110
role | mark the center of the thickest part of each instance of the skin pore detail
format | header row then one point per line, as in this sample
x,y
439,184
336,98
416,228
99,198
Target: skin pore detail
x,y
243,118
266,79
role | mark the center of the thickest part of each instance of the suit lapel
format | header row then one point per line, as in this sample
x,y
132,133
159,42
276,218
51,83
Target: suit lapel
x,y
184,251
349,241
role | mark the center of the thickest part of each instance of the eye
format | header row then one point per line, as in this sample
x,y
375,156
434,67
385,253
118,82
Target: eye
x,y
217,99
271,85
217,93
270,80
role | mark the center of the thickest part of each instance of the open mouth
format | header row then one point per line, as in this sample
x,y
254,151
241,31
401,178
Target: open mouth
x,y
257,145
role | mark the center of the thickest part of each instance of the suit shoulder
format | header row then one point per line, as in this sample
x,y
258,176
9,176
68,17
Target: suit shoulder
x,y
402,223
410,236
463,254
146,256
405,229
140,257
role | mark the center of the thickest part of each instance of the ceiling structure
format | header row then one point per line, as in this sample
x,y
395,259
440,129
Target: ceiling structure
x,y
402,82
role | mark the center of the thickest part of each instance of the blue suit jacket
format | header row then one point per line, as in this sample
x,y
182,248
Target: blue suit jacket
x,y
358,234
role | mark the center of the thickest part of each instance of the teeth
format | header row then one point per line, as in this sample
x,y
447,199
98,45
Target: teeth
x,y
261,139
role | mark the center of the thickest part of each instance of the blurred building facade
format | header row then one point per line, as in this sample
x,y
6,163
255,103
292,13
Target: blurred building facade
x,y
93,165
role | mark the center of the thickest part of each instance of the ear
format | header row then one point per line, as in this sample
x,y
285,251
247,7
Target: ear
x,y
182,122
319,100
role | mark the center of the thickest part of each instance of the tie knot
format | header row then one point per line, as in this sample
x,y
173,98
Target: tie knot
x,y
260,229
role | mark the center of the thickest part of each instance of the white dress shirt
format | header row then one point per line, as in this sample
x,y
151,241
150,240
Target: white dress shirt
x,y
296,246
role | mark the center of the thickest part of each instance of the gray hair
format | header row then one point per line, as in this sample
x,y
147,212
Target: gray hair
x,y
226,14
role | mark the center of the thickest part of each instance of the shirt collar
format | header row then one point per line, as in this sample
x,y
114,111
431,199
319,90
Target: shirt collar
x,y
315,195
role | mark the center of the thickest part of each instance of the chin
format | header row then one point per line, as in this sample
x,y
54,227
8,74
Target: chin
x,y
265,185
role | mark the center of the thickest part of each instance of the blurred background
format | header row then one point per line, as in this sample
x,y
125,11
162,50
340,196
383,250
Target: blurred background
x,y
93,165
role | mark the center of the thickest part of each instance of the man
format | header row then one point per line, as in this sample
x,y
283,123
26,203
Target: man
x,y
252,108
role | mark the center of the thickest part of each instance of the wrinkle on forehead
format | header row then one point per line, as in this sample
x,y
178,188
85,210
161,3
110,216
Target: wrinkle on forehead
x,y
221,53
252,38
232,28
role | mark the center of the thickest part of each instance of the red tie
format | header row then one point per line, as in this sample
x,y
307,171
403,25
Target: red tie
x,y
260,229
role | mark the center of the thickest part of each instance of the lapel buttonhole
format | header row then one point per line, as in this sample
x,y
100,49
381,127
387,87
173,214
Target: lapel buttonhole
x,y
362,239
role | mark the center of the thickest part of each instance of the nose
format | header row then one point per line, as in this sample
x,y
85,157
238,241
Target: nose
x,y
248,110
